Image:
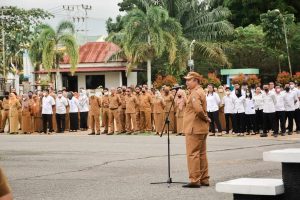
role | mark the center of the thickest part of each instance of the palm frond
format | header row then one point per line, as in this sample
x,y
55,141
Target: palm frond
x,y
65,27
71,48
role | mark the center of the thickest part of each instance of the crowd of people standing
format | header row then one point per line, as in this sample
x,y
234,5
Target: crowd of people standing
x,y
133,110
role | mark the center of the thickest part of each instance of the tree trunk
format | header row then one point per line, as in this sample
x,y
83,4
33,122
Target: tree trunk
x,y
279,66
149,67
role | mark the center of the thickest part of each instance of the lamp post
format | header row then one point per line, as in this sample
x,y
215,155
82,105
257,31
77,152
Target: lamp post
x,y
286,40
190,61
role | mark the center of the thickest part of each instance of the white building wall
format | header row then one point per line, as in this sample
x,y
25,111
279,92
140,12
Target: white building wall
x,y
132,79
112,79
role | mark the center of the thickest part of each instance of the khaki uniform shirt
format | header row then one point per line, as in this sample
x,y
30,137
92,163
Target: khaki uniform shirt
x,y
158,105
195,119
131,103
105,102
168,100
145,102
114,101
95,105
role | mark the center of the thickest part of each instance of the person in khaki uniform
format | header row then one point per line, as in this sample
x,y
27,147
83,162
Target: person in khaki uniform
x,y
158,112
180,103
131,103
114,103
168,98
105,111
122,108
5,191
138,117
54,125
37,114
5,111
14,107
95,106
26,115
195,127
145,111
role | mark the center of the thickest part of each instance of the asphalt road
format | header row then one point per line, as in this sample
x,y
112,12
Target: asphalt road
x,y
122,167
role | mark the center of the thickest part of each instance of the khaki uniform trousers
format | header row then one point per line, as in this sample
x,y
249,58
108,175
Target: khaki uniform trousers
x,y
26,119
138,121
14,123
145,123
5,118
196,158
38,124
179,123
95,122
122,117
114,116
159,122
131,122
20,117
172,121
105,118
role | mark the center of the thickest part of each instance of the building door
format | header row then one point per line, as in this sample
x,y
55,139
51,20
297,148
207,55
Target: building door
x,y
71,83
94,81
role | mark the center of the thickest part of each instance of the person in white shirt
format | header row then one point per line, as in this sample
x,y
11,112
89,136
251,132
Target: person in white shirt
x,y
228,102
269,102
61,104
73,103
290,100
213,102
280,111
294,89
249,112
48,103
239,110
271,87
83,102
258,105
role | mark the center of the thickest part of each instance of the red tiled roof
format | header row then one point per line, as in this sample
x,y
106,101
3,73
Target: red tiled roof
x,y
95,52
85,69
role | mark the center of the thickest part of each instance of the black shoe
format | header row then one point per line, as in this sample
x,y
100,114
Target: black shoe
x,y
204,184
91,134
97,133
191,185
290,133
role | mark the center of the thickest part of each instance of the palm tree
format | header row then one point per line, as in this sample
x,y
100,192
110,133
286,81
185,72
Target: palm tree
x,y
50,46
147,35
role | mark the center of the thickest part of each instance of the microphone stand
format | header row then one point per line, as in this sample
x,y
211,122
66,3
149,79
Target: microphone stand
x,y
167,125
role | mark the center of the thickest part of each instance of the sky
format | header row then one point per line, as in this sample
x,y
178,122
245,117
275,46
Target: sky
x,y
100,12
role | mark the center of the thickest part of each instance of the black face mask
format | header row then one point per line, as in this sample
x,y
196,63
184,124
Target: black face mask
x,y
287,89
179,96
266,90
143,91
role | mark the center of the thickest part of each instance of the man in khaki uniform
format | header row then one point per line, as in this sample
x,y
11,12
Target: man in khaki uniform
x,y
122,108
168,98
5,112
105,111
95,105
195,128
137,94
114,103
145,111
131,103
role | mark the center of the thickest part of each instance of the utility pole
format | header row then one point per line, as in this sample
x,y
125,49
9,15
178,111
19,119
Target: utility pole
x,y
79,13
3,40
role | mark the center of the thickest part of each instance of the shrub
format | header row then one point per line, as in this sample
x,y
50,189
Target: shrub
x,y
253,80
283,78
239,79
168,80
296,77
213,79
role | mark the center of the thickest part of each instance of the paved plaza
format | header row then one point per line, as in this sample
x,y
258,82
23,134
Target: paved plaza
x,y
122,167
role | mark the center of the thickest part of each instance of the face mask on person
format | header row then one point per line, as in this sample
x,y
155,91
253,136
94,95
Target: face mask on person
x,y
92,94
278,90
143,91
24,98
266,90
59,95
247,93
44,94
179,96
106,93
287,89
292,86
227,92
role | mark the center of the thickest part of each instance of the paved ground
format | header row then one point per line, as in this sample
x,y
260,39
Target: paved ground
x,y
122,167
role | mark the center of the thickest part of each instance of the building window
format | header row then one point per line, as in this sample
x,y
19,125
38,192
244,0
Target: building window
x,y
94,81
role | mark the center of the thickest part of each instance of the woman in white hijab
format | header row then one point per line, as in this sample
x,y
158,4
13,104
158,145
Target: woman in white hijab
x,y
83,102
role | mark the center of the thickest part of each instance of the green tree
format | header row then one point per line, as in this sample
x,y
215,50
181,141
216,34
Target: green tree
x,y
245,13
276,25
19,25
51,44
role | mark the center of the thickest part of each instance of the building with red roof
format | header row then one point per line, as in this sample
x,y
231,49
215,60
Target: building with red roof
x,y
99,65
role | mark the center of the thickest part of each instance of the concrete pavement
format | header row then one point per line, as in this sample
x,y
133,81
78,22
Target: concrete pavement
x,y
122,167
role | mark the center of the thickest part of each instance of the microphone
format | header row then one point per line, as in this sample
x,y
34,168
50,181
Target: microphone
x,y
177,87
